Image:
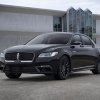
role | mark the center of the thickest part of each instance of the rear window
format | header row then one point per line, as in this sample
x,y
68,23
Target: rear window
x,y
86,40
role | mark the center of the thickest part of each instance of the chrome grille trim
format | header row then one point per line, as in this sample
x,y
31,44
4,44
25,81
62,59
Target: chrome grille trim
x,y
26,61
22,61
10,61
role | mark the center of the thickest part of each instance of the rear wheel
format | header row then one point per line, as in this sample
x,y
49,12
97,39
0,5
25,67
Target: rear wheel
x,y
63,68
13,75
97,69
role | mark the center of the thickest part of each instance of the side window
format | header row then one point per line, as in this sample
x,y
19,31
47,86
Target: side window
x,y
76,38
86,40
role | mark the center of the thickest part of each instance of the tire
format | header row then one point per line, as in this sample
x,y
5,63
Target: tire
x,y
97,69
13,75
63,68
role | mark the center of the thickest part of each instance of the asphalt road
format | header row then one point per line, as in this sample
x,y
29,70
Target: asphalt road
x,y
79,86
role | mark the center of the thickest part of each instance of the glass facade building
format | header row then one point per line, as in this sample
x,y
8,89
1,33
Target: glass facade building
x,y
64,23
71,18
94,30
76,21
80,21
88,23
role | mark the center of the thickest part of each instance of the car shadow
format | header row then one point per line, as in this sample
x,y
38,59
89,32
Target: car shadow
x,y
39,78
43,78
79,75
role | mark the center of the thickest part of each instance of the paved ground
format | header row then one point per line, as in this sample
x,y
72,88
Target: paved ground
x,y
80,86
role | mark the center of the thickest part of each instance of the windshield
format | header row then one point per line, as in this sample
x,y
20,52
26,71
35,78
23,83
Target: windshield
x,y
50,39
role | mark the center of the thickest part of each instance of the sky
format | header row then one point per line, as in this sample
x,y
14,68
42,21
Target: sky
x,y
93,5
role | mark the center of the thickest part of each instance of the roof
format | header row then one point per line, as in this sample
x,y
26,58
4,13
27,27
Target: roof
x,y
30,10
39,11
96,16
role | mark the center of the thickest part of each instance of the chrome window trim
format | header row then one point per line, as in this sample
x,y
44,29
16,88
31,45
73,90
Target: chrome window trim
x,y
84,67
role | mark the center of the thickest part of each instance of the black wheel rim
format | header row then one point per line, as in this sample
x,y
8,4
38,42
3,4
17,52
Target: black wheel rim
x,y
65,68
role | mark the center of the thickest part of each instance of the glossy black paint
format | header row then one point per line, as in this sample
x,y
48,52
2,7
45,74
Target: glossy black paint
x,y
81,56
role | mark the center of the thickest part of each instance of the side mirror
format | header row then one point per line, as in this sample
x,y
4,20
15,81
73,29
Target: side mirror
x,y
76,43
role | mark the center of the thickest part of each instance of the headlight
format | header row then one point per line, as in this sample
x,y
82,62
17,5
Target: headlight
x,y
50,54
2,55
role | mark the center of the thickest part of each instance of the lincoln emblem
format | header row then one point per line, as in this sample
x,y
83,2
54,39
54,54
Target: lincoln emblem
x,y
17,56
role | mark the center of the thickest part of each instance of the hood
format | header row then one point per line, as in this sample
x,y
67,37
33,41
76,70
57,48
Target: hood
x,y
30,48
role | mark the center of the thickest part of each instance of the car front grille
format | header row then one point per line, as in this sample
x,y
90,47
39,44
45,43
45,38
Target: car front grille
x,y
22,56
26,56
11,56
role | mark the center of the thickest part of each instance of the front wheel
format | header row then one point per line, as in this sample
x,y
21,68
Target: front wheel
x,y
97,69
13,75
63,68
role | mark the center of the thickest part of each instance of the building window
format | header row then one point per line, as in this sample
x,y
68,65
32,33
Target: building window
x,y
94,30
65,23
94,26
88,21
76,21
57,24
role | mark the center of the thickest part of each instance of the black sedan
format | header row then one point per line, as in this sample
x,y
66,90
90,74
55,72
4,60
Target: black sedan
x,y
56,54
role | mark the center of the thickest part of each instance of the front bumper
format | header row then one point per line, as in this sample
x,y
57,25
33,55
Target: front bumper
x,y
1,66
39,66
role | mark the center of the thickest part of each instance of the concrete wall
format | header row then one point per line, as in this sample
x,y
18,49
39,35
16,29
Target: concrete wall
x,y
25,22
98,32
8,39
17,28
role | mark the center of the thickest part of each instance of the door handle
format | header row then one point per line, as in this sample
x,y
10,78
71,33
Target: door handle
x,y
72,46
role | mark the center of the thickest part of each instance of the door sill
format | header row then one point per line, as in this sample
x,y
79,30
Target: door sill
x,y
83,68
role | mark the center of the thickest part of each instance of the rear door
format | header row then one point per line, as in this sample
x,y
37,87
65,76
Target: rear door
x,y
90,54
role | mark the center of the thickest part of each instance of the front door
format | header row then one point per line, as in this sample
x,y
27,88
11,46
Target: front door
x,y
77,51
